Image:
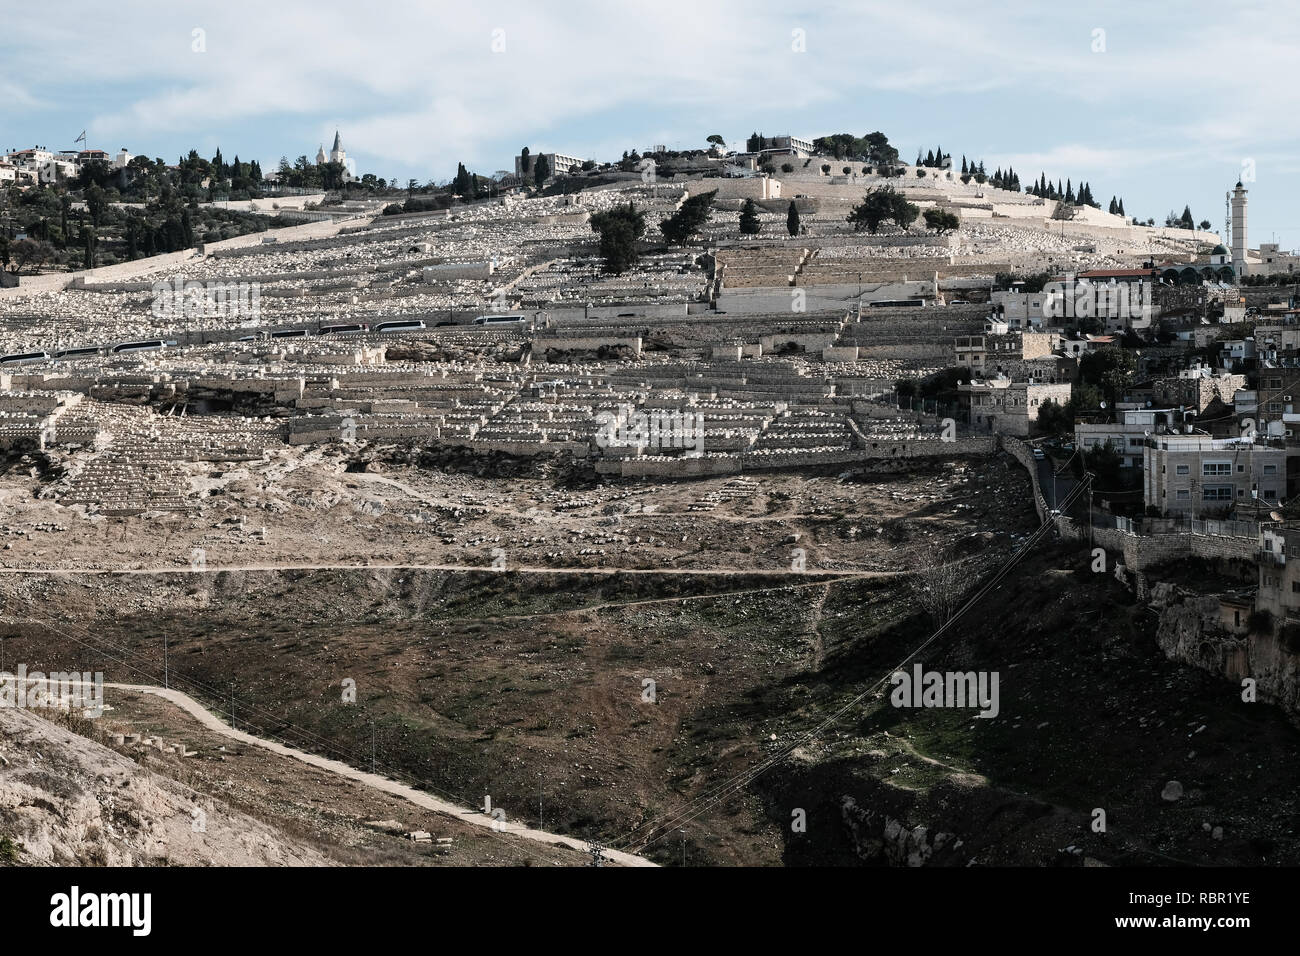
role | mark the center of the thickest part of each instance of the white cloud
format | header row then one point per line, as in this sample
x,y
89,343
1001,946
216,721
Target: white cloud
x,y
416,88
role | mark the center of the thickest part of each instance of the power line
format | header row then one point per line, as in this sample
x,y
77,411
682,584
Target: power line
x,y
308,736
705,801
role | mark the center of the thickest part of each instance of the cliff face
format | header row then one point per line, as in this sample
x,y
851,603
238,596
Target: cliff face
x,y
1190,631
68,801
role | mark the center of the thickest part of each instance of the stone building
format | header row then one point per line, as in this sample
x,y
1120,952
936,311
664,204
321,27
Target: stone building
x,y
1004,407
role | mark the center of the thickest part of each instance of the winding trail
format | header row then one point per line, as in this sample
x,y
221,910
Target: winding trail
x,y
420,798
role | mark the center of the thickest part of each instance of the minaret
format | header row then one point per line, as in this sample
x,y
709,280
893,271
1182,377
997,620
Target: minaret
x,y
1239,230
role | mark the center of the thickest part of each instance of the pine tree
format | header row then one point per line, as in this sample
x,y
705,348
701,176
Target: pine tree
x,y
792,219
749,222
963,165
1121,207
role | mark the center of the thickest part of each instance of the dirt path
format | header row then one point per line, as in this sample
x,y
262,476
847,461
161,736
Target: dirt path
x,y
418,797
699,572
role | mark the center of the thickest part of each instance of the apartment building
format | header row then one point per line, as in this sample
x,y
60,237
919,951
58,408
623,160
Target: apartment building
x,y
1199,476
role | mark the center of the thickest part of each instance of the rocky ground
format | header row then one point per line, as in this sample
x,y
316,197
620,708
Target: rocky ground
x,y
68,801
402,505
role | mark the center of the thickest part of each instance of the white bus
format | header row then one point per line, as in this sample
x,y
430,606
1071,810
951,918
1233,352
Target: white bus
x,y
21,358
501,320
398,325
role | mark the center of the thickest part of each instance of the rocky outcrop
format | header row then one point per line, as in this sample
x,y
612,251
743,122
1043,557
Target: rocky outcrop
x,y
68,801
1190,630
880,837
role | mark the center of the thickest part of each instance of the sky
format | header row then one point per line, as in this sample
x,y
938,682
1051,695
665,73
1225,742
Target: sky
x,y
1162,105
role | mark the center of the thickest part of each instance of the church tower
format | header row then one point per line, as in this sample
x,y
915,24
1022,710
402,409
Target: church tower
x,y
337,155
320,155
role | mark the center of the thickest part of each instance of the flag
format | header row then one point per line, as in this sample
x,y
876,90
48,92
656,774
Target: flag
x,y
81,138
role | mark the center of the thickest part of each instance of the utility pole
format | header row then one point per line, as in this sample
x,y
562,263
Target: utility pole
x,y
1088,476
166,675
372,746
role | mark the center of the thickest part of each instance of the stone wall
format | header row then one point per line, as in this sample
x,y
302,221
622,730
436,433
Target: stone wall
x,y
877,451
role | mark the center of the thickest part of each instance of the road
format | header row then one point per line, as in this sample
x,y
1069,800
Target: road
x,y
418,797
1059,489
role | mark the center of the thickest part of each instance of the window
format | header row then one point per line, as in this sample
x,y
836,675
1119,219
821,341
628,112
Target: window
x,y
1216,468
1184,494
1270,469
1270,494
1217,493
1184,470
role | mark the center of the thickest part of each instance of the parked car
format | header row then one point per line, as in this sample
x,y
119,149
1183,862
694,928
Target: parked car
x,y
1038,454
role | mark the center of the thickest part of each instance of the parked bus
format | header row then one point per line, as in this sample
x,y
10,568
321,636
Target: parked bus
x,y
148,345
398,325
501,320
79,352
21,358
348,328
288,333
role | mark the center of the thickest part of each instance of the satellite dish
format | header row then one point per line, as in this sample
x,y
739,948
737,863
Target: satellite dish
x,y
1274,516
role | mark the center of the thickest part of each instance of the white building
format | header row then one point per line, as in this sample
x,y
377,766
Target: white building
x,y
1127,437
557,163
337,155
1020,310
